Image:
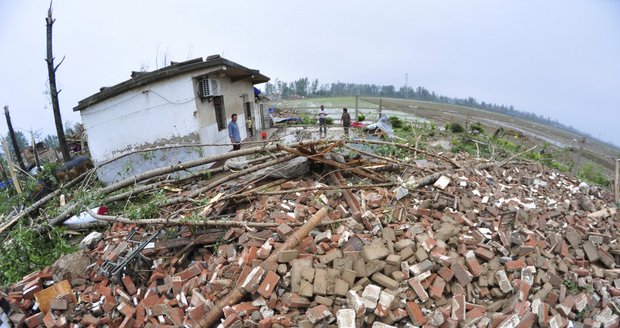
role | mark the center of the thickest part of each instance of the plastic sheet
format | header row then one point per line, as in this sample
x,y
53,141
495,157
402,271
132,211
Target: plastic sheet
x,y
384,125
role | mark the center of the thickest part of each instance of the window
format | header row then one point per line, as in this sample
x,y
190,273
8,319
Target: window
x,y
220,114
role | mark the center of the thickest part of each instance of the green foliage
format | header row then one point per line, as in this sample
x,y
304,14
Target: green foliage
x,y
507,145
329,121
308,120
591,174
361,117
26,251
147,209
455,128
397,123
477,127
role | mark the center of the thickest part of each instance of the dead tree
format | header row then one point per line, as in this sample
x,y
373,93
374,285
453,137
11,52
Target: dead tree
x,y
16,149
51,70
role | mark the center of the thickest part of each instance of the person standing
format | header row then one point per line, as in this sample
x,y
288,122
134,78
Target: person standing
x,y
323,121
346,121
233,132
249,125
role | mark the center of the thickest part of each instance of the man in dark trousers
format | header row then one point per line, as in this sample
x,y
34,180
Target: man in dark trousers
x,y
346,121
233,132
323,121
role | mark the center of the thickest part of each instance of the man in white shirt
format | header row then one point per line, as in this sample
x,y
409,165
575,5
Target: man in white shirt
x,y
323,120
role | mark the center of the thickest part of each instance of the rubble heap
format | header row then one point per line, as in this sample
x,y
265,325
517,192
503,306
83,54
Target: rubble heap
x,y
486,246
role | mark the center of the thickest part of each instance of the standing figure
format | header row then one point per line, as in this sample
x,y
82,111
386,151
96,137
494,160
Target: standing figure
x,y
233,133
346,121
248,122
323,120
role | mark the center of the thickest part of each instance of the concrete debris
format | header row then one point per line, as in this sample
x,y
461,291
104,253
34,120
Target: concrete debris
x,y
505,247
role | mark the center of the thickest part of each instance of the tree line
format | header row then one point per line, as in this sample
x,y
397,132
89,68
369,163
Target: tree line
x,y
305,87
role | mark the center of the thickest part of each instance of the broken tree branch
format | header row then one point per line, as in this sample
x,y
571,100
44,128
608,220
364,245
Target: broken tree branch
x,y
320,159
205,223
406,146
181,146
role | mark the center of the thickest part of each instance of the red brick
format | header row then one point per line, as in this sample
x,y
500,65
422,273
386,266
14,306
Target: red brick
x,y
418,289
126,309
318,313
475,312
515,265
190,272
484,253
458,307
246,307
446,273
269,284
197,312
230,320
472,264
176,315
128,322
436,290
50,320
415,314
462,275
129,285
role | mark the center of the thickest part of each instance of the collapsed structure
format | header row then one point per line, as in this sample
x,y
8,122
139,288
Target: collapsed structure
x,y
335,235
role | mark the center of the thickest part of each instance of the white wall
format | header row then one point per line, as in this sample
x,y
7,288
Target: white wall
x,y
163,113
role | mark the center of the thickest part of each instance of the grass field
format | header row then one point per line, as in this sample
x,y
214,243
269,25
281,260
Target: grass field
x,y
527,132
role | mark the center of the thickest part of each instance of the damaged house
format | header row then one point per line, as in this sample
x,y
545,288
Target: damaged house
x,y
188,103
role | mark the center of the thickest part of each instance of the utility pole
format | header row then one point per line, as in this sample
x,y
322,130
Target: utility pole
x,y
617,183
356,108
578,161
16,149
380,106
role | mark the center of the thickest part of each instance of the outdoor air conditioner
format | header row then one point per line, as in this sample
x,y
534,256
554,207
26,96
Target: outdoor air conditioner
x,y
209,88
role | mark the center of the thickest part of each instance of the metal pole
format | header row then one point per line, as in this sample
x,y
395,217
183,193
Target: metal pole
x,y
617,183
578,161
356,108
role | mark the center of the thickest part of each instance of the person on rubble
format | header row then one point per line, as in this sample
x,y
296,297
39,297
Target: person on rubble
x,y
323,121
346,121
233,132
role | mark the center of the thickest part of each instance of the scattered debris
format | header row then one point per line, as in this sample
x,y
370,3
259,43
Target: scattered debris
x,y
464,244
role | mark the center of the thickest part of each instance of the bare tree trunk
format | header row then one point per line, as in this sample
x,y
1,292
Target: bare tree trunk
x,y
51,70
16,149
34,150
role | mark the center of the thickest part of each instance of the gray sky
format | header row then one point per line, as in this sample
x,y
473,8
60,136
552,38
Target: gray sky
x,y
555,58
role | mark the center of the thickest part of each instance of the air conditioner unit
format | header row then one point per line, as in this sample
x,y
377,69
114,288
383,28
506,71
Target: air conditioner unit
x,y
209,88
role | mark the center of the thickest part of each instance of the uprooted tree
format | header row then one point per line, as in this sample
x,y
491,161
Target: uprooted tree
x,y
51,70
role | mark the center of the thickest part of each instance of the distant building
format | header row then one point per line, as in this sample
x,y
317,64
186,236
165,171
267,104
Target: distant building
x,y
187,103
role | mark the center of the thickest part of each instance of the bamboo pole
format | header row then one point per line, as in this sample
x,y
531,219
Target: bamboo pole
x,y
215,313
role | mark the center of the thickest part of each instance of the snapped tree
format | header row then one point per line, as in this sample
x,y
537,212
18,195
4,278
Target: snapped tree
x,y
51,70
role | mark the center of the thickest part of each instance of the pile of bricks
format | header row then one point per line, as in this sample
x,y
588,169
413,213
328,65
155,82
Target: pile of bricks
x,y
480,248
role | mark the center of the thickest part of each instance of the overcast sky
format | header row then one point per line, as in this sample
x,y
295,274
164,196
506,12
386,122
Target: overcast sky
x,y
556,58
